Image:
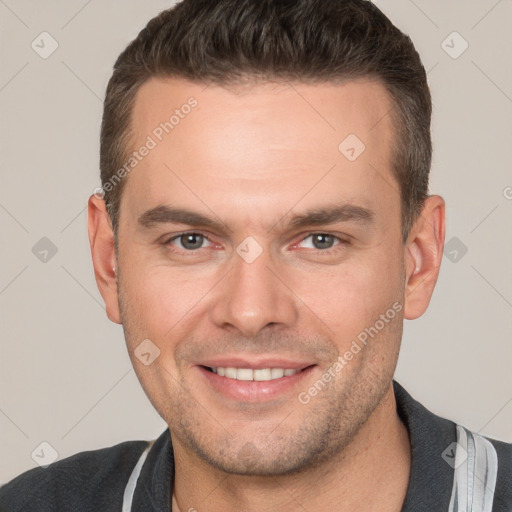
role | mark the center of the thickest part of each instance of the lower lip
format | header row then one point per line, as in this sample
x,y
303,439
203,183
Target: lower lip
x,y
251,390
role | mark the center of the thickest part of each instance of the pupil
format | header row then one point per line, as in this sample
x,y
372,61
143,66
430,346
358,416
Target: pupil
x,y
189,241
325,241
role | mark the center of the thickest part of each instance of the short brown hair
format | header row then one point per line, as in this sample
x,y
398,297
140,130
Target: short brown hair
x,y
225,41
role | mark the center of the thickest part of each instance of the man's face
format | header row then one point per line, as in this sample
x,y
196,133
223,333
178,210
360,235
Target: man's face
x,y
257,290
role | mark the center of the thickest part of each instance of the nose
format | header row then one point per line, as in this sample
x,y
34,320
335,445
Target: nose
x,y
253,296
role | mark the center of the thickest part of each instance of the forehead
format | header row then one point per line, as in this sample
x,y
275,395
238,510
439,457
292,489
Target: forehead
x,y
278,112
261,143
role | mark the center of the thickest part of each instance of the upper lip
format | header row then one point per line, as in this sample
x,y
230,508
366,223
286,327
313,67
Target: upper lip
x,y
256,363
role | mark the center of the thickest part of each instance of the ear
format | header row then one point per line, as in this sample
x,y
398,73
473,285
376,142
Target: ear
x,y
423,255
101,239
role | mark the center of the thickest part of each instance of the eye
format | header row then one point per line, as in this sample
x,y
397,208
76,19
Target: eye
x,y
322,242
188,241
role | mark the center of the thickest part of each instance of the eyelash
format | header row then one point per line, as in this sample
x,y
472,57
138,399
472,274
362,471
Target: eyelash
x,y
335,248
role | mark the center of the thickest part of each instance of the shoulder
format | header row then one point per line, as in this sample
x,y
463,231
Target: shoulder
x,y
90,480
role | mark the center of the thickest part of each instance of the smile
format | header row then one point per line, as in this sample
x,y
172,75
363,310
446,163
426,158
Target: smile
x,y
255,384
250,374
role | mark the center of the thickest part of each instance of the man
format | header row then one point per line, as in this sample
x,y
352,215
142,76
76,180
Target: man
x,y
264,228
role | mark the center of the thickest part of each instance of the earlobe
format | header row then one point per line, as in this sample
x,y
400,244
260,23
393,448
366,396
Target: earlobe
x,y
101,240
423,255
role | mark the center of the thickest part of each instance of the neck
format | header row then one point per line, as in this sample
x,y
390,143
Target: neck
x,y
371,474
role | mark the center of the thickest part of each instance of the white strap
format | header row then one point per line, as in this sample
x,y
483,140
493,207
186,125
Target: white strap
x,y
129,490
476,470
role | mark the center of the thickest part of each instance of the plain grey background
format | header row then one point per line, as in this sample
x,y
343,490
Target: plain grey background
x,y
65,376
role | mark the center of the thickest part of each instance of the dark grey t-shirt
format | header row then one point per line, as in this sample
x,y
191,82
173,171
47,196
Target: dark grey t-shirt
x,y
453,470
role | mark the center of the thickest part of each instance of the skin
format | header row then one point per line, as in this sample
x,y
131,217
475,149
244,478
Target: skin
x,y
253,157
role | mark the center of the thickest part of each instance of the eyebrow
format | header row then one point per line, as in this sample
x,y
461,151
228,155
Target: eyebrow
x,y
333,214
164,214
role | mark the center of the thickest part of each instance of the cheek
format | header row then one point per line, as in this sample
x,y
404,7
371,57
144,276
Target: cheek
x,y
160,299
350,297
156,306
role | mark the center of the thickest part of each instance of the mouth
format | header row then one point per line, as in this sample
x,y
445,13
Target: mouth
x,y
242,383
249,374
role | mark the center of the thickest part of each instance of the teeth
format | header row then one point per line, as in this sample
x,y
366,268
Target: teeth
x,y
277,373
230,373
263,374
250,374
244,374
